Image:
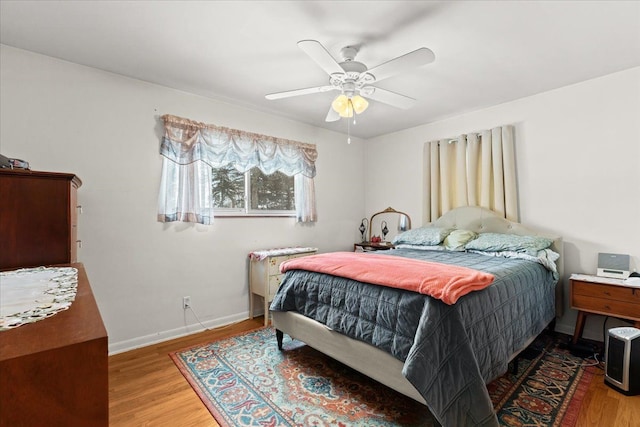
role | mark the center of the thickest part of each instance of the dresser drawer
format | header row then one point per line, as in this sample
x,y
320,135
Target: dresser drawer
x,y
607,292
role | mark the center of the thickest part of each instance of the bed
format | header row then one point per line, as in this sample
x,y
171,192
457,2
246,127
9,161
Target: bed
x,y
437,353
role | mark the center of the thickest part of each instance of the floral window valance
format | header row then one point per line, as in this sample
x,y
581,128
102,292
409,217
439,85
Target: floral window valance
x,y
190,149
186,141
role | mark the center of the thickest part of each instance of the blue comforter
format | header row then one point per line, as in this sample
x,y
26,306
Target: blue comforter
x,y
449,351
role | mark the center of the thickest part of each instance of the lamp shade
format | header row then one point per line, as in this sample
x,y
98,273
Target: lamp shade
x,y
341,106
359,104
346,106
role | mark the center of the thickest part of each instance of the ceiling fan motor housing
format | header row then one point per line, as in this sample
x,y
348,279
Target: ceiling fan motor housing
x,y
354,67
349,88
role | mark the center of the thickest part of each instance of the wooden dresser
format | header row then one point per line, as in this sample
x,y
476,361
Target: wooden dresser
x,y
38,218
53,372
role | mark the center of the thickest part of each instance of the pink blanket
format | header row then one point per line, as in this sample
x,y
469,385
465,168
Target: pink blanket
x,y
442,281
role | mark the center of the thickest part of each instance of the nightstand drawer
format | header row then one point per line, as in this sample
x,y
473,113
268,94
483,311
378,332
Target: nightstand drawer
x,y
274,263
607,292
596,304
274,284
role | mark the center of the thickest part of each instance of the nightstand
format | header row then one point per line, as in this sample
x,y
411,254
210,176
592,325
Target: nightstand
x,y
601,295
370,246
265,276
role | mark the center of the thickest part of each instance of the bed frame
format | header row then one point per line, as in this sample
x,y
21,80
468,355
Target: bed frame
x,y
380,365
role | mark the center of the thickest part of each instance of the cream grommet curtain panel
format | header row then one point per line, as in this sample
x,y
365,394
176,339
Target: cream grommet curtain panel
x,y
190,149
476,169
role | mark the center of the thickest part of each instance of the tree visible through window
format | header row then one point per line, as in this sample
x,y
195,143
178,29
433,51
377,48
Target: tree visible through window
x,y
273,192
228,188
252,192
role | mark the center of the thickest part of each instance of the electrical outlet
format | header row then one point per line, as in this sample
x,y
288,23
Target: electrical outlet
x,y
186,302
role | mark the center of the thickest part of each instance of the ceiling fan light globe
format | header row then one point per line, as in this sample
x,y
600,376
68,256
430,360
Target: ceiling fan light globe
x,y
347,110
359,104
340,104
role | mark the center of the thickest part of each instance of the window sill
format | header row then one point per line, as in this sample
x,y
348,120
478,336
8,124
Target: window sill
x,y
257,215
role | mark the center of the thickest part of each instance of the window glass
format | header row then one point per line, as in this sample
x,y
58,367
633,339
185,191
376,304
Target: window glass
x,y
273,192
228,188
252,192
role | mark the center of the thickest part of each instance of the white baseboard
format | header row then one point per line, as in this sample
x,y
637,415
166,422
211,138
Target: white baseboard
x,y
593,329
565,329
143,341
594,334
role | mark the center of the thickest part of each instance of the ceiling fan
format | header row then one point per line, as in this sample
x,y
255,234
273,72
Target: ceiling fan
x,y
354,80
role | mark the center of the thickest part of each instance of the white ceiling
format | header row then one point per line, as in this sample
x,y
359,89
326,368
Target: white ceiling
x,y
487,53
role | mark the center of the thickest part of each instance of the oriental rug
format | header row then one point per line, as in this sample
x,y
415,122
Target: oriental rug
x,y
246,381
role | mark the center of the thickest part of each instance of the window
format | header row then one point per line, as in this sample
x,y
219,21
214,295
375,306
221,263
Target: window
x,y
209,170
252,192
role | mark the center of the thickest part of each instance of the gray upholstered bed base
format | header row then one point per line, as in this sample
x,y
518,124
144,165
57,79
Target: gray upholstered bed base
x,y
362,357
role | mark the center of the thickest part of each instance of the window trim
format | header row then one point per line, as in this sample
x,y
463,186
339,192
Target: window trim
x,y
253,215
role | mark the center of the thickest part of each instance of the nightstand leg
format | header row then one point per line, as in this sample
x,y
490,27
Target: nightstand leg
x,y
266,311
577,333
251,289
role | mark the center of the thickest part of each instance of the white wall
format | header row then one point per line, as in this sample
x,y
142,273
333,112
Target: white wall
x,y
578,165
64,117
578,151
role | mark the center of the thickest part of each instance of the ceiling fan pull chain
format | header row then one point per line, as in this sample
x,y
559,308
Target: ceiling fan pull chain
x,y
348,131
353,111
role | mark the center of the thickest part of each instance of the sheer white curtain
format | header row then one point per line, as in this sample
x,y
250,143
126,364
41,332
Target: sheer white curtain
x,y
476,169
190,149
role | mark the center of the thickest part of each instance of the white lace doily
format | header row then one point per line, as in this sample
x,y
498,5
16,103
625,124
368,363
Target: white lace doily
x,y
31,294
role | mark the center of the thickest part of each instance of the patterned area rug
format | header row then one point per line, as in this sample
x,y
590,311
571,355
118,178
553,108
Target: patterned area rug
x,y
246,381
548,387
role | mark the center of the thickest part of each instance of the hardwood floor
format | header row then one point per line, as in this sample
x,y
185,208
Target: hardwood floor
x,y
146,389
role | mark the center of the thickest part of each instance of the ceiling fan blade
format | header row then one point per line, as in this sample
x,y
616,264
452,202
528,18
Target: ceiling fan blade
x,y
332,115
321,56
297,92
402,63
392,98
